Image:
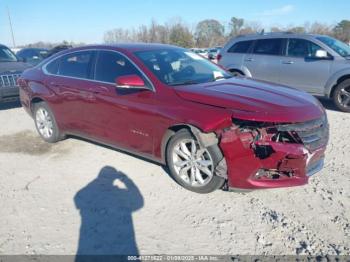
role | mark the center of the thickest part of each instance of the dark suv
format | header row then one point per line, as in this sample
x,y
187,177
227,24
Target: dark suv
x,y
10,69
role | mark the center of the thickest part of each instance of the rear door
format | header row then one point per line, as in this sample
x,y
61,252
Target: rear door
x,y
264,61
75,92
301,69
234,55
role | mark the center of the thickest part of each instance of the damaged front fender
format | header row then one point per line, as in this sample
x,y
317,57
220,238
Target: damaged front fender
x,y
261,155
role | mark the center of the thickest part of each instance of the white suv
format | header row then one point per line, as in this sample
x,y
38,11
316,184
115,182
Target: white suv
x,y
317,64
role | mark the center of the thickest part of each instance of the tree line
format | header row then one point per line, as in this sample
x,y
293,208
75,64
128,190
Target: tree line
x,y
206,33
211,32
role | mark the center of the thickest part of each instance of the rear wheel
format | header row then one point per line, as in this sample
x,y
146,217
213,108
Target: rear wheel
x,y
192,166
45,123
341,96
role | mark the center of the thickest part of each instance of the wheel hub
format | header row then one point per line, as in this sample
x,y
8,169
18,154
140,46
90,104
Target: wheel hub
x,y
44,123
192,164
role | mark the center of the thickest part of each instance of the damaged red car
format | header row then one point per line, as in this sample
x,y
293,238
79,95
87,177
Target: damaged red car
x,y
174,107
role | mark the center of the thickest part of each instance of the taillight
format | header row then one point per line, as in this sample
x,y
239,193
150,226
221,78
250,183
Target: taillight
x,y
218,57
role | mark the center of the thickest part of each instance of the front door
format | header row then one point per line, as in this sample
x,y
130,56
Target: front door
x,y
301,69
122,117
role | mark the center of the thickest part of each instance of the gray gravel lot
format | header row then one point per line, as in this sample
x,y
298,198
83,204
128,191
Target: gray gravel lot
x,y
78,196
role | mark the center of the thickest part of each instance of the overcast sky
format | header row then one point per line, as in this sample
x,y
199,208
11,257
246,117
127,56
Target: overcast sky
x,y
87,20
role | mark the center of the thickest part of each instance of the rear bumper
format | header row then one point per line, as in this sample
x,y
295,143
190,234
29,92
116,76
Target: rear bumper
x,y
289,164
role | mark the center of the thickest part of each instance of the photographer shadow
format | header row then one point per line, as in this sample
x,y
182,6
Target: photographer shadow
x,y
106,205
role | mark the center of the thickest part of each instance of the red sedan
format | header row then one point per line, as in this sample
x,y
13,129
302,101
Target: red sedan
x,y
174,107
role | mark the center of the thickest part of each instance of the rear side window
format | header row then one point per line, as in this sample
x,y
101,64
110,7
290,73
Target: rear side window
x,y
111,65
52,67
268,47
302,48
76,64
240,47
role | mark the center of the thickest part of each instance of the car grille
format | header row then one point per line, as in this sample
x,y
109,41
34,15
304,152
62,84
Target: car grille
x,y
313,134
9,80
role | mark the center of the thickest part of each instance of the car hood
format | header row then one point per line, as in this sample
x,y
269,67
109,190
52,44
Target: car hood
x,y
255,100
12,67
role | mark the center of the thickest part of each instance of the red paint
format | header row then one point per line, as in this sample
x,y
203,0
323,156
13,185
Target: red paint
x,y
130,80
137,121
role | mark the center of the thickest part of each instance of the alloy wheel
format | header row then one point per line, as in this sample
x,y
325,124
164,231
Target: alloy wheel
x,y
344,97
192,164
44,122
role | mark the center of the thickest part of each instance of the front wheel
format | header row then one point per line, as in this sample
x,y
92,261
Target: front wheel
x,y
192,166
341,97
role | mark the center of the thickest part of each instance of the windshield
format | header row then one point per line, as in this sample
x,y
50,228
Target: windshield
x,y
6,55
338,46
180,67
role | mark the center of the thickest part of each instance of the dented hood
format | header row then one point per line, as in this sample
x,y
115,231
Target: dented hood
x,y
255,100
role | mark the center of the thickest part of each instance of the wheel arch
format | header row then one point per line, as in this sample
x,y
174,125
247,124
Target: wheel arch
x,y
335,80
340,80
242,69
205,139
35,100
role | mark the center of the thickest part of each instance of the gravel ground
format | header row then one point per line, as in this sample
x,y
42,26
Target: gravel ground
x,y
76,196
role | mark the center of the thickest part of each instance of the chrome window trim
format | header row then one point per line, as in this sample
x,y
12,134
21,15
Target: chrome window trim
x,y
43,67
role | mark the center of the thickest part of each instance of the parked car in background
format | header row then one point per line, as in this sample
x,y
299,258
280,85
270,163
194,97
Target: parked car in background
x,y
172,106
10,70
200,51
32,56
317,64
57,49
213,52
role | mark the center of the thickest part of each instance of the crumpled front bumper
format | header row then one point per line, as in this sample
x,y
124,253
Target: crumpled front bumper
x,y
274,165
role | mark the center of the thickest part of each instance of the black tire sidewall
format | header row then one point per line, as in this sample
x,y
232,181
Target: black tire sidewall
x,y
236,73
215,153
345,83
56,133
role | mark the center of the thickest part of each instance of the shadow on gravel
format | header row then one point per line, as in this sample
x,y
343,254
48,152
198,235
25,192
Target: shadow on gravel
x,y
106,205
10,105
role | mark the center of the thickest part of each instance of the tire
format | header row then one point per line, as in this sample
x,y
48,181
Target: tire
x,y
45,123
236,73
341,96
184,168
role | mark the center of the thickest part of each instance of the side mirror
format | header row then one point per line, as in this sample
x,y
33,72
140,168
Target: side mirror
x,y
321,54
130,82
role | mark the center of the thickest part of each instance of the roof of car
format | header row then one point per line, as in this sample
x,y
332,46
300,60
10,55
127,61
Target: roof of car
x,y
276,34
132,46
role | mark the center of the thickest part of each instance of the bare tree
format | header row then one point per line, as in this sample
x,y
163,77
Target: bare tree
x,y
235,26
209,32
180,35
342,31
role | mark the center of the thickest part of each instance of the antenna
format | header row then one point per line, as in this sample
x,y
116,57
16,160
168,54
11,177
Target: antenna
x,y
13,36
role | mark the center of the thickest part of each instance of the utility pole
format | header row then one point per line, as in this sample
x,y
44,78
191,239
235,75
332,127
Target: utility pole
x,y
13,36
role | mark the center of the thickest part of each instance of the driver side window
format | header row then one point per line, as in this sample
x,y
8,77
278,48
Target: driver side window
x,y
111,65
302,48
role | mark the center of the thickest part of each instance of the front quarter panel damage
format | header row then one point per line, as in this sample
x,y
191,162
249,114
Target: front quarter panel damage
x,y
257,158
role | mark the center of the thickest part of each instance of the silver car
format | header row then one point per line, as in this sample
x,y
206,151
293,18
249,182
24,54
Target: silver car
x,y
317,64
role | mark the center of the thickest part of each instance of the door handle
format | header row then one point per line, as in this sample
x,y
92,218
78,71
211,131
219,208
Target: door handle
x,y
54,84
249,60
287,62
98,89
